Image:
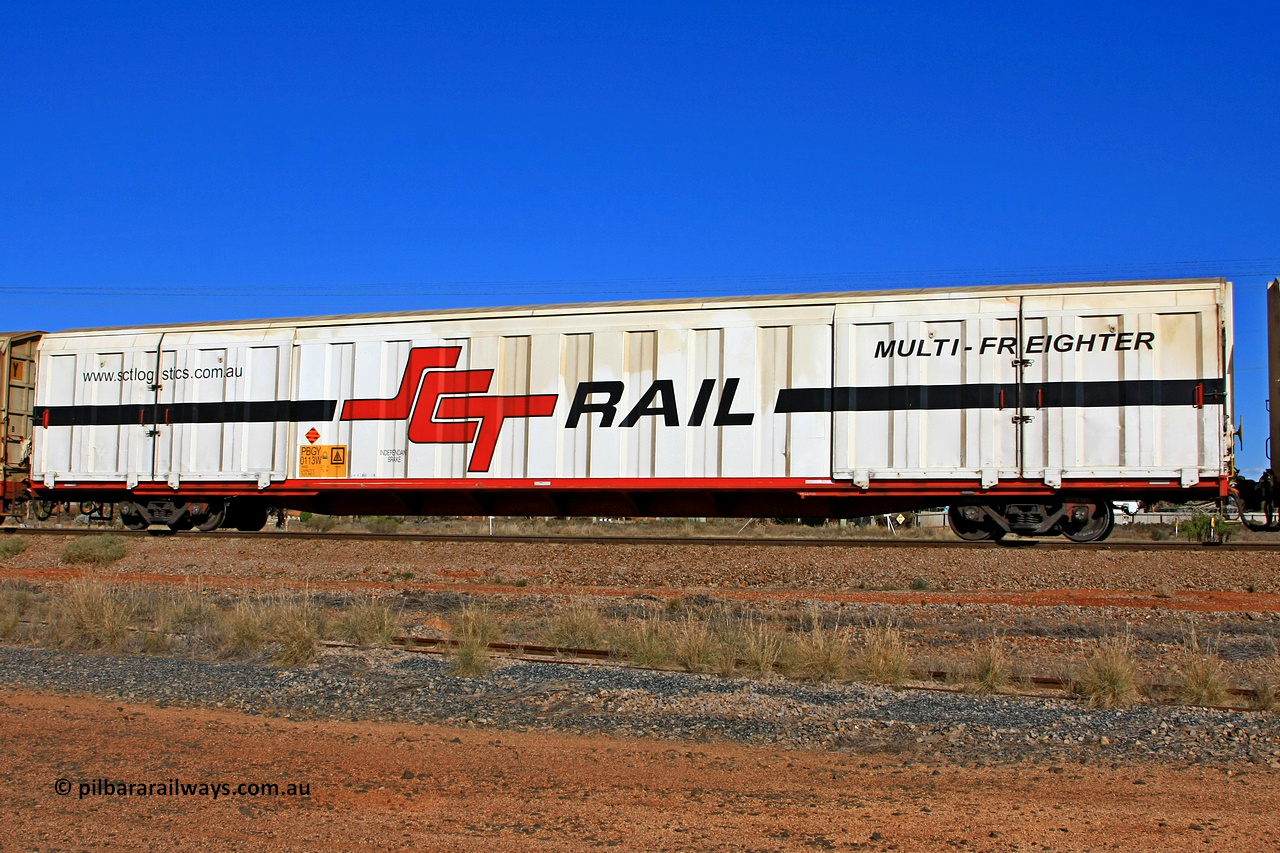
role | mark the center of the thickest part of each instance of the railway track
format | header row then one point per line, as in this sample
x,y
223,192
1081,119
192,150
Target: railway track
x,y
1050,544
930,679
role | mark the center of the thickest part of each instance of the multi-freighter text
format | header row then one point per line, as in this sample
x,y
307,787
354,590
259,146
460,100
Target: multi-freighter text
x,y
940,347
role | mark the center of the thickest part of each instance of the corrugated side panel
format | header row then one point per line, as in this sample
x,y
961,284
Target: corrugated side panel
x,y
88,371
1052,421
1177,439
667,394
926,344
210,373
678,395
185,429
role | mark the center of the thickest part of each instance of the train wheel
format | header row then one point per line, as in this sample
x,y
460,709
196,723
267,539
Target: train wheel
x,y
131,518
972,531
1233,508
1102,519
247,517
213,517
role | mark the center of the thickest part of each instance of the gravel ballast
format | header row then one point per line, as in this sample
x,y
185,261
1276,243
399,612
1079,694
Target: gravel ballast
x,y
909,725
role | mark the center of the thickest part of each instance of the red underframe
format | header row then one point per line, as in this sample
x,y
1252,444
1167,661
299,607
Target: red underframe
x,y
1218,485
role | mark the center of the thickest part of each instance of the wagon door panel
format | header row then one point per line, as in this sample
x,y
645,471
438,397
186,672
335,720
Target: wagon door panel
x,y
93,397
918,390
222,411
1113,393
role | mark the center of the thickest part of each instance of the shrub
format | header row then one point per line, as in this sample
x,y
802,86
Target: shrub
x,y
381,524
94,550
1110,675
883,657
990,666
1198,677
1198,527
366,622
318,523
12,546
919,584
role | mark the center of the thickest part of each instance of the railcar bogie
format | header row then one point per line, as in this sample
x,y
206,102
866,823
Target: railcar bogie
x,y
1079,518
206,515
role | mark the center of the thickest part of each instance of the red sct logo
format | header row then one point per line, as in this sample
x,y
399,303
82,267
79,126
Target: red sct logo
x,y
448,395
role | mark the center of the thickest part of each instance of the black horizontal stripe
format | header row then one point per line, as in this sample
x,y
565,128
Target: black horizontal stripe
x,y
987,395
235,411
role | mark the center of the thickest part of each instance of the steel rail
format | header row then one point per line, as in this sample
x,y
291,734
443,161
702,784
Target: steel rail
x,y
730,541
579,657
561,654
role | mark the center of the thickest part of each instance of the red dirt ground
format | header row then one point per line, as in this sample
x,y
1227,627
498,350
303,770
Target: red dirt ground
x,y
484,790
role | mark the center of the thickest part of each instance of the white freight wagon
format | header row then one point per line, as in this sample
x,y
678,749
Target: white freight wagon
x,y
1024,408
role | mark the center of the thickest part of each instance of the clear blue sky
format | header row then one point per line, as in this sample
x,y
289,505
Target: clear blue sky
x,y
170,162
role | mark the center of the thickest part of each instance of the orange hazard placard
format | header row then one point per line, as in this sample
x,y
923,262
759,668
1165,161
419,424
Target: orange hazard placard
x,y
322,460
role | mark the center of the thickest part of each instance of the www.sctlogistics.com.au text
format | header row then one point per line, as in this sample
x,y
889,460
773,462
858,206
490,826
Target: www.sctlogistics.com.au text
x,y
179,788
169,374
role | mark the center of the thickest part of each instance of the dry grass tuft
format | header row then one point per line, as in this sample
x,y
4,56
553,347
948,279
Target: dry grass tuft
x,y
1110,675
729,640
1198,676
247,628
295,630
92,615
696,647
817,655
883,657
471,659
762,647
12,546
474,629
1266,686
367,622
646,644
579,626
476,621
14,601
991,669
